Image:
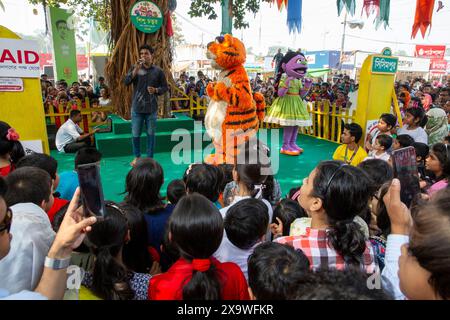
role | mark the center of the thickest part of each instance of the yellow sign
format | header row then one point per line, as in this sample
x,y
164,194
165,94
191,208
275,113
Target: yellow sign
x,y
376,90
24,111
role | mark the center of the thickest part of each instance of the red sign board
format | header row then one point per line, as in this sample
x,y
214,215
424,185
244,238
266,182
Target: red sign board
x,y
438,66
47,59
430,52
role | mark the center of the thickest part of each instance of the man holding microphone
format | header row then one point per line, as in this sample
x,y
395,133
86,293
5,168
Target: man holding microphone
x,y
148,81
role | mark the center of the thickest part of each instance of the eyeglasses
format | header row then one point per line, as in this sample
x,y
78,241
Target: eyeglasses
x,y
6,224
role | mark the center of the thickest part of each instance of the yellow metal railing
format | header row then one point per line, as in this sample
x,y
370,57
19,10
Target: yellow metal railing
x,y
327,121
193,105
59,114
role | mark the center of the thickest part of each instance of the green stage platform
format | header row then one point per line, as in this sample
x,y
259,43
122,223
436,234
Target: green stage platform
x,y
168,133
116,148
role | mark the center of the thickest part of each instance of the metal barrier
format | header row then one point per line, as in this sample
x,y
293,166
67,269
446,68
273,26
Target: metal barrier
x,y
195,106
327,119
59,114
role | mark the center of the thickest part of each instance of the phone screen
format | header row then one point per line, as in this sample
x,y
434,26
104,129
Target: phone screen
x,y
91,189
405,169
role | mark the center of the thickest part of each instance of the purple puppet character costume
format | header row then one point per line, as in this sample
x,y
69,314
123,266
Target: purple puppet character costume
x,y
289,109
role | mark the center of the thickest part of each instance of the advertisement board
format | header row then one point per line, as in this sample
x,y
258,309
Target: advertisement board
x,y
19,58
429,51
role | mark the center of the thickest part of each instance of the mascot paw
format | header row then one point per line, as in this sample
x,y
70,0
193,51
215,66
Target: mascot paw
x,y
217,91
210,89
214,159
258,97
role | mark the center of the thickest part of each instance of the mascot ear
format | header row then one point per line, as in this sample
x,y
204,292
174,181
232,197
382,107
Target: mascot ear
x,y
228,37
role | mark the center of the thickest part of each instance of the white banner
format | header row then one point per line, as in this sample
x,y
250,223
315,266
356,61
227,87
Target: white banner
x,y
31,146
19,58
11,85
360,57
311,58
413,64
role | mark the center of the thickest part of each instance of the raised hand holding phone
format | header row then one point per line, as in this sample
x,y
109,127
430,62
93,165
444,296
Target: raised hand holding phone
x,y
399,214
405,170
91,190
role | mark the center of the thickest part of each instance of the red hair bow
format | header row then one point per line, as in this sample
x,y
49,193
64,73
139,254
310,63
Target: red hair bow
x,y
12,135
201,265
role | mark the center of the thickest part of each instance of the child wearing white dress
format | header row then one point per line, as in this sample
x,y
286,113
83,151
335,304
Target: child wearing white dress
x,y
382,144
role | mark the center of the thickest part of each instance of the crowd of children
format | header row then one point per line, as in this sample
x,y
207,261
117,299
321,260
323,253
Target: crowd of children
x,y
227,232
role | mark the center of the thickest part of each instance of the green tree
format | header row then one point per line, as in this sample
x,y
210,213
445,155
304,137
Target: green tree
x,y
237,10
178,37
97,9
125,40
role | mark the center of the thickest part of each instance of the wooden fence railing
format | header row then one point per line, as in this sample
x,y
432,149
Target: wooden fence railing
x,y
327,119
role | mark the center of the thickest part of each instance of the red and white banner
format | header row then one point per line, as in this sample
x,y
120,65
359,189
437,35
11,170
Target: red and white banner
x,y
47,60
19,58
11,85
431,52
438,66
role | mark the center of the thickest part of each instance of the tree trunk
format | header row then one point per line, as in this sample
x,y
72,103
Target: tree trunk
x,y
124,43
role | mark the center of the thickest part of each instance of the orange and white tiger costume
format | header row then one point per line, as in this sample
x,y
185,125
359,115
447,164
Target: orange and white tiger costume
x,y
234,113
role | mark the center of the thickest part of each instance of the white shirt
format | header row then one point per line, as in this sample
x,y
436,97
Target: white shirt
x,y
372,155
104,102
228,252
389,276
23,295
419,134
32,236
67,133
236,199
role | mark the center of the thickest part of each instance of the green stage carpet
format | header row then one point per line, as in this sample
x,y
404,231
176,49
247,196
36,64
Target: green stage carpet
x,y
291,171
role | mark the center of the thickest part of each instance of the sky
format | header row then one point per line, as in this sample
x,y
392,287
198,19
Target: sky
x,y
322,28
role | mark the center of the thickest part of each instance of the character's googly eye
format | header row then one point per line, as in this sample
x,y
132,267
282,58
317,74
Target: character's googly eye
x,y
220,39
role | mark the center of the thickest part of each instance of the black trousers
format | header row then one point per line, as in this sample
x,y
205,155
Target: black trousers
x,y
75,146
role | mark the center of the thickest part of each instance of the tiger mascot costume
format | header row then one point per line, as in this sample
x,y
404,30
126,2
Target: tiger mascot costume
x,y
234,113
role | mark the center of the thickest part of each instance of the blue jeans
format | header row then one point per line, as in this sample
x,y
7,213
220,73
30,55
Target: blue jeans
x,y
137,122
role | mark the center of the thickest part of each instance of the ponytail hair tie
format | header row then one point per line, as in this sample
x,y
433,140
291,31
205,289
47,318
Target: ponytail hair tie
x,y
259,188
201,265
12,135
188,171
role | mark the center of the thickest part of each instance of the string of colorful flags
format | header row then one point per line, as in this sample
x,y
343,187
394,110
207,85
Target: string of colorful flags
x,y
381,9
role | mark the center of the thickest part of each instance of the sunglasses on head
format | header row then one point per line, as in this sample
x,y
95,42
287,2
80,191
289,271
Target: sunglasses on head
x,y
6,224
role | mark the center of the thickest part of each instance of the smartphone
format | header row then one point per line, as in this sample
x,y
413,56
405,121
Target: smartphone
x,y
91,189
405,169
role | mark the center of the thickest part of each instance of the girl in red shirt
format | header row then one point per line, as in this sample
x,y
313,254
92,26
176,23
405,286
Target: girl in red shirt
x,y
196,228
